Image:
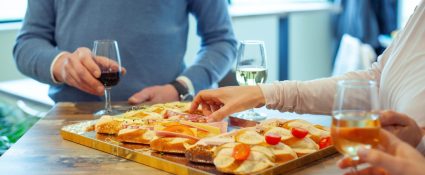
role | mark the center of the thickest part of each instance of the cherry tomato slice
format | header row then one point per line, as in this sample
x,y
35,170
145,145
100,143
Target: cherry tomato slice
x,y
299,132
241,151
273,138
324,142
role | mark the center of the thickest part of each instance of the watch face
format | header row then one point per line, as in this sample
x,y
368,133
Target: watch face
x,y
186,97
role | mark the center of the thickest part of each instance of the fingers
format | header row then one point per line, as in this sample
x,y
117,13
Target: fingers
x,y
387,140
375,157
369,171
221,113
140,97
347,162
204,97
83,75
123,71
206,109
75,70
88,62
108,64
394,118
80,70
196,102
378,158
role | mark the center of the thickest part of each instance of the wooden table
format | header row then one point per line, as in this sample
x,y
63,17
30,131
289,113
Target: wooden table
x,y
43,151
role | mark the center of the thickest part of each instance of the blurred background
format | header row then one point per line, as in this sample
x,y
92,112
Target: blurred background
x,y
305,39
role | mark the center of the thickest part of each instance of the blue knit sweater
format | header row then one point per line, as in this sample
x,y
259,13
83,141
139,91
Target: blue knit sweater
x,y
151,34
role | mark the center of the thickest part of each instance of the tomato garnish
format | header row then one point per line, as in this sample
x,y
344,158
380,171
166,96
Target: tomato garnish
x,y
324,142
299,132
273,138
180,129
241,151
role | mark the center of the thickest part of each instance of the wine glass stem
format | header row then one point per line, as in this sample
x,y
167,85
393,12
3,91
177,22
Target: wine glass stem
x,y
108,107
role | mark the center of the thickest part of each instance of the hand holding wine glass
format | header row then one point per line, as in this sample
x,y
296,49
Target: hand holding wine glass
x,y
78,70
355,122
107,57
392,157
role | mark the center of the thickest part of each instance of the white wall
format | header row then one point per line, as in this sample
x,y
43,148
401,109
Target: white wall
x,y
8,70
309,43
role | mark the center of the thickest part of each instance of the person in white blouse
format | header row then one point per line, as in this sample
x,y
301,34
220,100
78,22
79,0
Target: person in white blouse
x,y
399,73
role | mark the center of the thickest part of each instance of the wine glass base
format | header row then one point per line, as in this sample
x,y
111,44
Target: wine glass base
x,y
251,115
102,112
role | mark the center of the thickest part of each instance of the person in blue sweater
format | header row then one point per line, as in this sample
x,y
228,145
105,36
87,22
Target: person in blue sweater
x,y
54,47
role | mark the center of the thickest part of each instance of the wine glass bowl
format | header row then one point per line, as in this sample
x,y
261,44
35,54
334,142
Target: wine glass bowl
x,y
355,121
106,56
251,69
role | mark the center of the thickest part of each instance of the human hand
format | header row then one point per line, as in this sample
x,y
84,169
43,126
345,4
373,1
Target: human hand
x,y
402,126
155,94
79,69
220,103
395,158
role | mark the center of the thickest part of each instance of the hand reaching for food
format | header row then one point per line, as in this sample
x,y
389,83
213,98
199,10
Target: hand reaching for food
x,y
222,102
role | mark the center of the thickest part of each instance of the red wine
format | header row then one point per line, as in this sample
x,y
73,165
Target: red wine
x,y
109,78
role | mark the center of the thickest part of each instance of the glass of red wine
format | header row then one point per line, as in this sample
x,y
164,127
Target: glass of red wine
x,y
107,57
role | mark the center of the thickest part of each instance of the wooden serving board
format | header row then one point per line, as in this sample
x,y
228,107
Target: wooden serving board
x,y
172,163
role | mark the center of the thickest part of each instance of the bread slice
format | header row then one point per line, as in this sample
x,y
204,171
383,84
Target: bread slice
x,y
249,137
259,159
137,135
107,125
283,153
201,153
302,146
285,134
171,144
314,132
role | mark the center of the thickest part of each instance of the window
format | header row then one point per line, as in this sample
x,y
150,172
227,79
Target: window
x,y
406,9
12,10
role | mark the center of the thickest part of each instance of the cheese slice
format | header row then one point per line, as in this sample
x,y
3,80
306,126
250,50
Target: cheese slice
x,y
211,129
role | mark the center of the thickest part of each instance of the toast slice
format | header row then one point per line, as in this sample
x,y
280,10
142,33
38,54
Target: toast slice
x,y
136,135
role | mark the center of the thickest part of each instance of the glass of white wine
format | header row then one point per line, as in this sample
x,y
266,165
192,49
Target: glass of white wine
x,y
251,70
355,122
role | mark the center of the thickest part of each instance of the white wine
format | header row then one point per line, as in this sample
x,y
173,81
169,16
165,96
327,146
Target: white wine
x,y
351,131
251,75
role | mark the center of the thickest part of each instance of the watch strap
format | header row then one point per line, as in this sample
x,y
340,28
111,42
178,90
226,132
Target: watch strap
x,y
181,89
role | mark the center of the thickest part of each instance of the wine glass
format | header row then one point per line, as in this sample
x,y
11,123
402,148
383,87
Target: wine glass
x,y
251,70
107,57
355,121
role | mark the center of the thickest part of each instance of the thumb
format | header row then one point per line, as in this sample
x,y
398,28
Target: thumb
x,y
378,158
221,113
123,71
139,97
393,118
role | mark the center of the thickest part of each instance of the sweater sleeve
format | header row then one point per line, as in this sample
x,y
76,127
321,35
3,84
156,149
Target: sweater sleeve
x,y
218,43
315,96
35,47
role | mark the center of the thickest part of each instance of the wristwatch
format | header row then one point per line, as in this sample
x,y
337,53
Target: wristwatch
x,y
183,92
